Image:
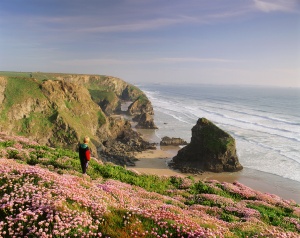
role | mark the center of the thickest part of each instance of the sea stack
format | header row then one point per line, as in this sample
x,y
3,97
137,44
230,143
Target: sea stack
x,y
145,121
210,149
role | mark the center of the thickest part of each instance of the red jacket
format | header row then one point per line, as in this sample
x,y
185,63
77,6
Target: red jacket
x,y
84,152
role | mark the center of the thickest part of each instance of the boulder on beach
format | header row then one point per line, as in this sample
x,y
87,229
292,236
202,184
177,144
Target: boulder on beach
x,y
210,149
165,141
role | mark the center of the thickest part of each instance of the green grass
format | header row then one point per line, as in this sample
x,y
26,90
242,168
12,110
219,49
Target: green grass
x,y
228,217
36,75
66,161
275,216
34,123
8,143
202,187
143,99
120,223
15,74
216,140
101,118
250,232
151,183
100,95
18,89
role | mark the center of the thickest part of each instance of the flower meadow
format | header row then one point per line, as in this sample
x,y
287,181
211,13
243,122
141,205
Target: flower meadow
x,y
43,194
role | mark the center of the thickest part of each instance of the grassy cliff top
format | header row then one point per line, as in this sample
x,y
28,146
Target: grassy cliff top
x,y
59,109
43,193
90,81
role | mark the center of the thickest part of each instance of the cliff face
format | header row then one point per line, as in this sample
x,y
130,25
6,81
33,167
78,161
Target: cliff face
x,y
142,111
109,92
55,113
210,149
139,106
59,110
144,121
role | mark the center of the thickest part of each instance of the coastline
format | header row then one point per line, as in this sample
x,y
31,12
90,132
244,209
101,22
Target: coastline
x,y
155,162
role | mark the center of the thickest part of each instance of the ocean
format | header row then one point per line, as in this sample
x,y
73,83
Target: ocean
x,y
265,122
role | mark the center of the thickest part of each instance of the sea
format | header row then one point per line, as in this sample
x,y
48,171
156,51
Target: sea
x,y
265,121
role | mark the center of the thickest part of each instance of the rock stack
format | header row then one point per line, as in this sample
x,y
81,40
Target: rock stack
x,y
144,121
210,149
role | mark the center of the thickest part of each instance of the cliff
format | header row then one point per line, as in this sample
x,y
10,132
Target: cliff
x,y
210,149
142,111
109,92
60,109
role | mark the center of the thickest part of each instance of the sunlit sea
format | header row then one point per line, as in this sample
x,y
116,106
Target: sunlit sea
x,y
265,122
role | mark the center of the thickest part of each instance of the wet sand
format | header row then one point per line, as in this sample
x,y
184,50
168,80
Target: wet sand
x,y
155,162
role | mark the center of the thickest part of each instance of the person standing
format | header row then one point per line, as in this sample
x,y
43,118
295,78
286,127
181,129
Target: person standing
x,y
84,154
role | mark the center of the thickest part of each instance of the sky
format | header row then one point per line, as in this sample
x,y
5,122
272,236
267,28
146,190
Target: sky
x,y
248,42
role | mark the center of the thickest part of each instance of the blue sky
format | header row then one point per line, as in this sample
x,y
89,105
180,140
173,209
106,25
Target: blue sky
x,y
252,42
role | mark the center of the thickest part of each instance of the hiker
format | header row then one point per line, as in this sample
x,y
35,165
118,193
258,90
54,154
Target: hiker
x,y
84,154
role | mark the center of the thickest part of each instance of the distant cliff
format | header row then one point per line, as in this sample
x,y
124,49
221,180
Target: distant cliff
x,y
210,149
60,109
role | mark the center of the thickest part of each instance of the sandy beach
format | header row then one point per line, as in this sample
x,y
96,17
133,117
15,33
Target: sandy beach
x,y
155,162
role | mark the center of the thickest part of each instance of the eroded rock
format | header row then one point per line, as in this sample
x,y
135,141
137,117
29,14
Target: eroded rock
x,y
145,121
210,149
172,141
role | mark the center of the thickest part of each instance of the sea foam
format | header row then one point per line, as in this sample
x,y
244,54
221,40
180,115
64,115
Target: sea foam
x,y
264,121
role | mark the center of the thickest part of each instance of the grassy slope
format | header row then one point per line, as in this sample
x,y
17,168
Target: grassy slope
x,y
18,90
53,197
98,85
24,86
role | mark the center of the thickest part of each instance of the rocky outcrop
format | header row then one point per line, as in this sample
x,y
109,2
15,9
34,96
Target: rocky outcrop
x,y
166,141
120,146
60,111
145,121
131,93
139,106
101,88
142,111
210,149
110,105
108,92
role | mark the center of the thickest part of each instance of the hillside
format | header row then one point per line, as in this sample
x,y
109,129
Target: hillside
x,y
60,109
43,194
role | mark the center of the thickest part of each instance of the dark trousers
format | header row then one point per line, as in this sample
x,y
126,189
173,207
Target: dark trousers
x,y
84,165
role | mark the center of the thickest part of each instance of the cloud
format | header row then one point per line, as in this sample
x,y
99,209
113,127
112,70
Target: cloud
x,y
194,59
276,5
167,60
143,16
134,26
131,20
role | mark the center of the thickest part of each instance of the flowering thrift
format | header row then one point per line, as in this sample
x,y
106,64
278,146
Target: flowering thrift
x,y
35,202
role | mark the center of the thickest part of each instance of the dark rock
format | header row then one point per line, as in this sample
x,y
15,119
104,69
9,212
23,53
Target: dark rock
x,y
131,92
172,141
110,106
120,148
211,149
142,111
145,121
